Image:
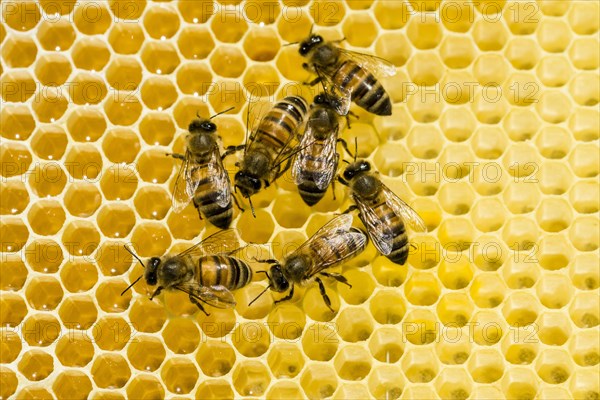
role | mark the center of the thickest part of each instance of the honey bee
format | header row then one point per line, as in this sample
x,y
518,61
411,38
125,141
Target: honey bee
x,y
317,160
334,243
348,75
207,272
202,177
381,211
269,146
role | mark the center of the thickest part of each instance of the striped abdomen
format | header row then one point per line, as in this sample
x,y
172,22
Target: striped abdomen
x,y
394,222
223,270
314,164
279,124
207,193
367,91
346,244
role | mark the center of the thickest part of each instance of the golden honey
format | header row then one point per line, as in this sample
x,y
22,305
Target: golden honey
x,y
493,140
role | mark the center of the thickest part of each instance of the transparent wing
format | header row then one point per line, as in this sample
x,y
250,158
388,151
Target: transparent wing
x,y
339,224
376,65
186,183
329,167
343,95
336,249
256,111
322,172
379,232
224,241
404,210
217,296
219,179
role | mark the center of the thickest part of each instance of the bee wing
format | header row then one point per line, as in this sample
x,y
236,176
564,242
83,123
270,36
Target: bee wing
x,y
324,172
404,210
380,233
224,241
256,111
376,65
186,183
217,296
219,178
343,95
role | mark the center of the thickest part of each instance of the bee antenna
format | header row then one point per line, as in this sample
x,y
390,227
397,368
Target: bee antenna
x,y
222,112
346,161
134,255
355,147
290,44
311,29
260,294
198,115
130,286
251,207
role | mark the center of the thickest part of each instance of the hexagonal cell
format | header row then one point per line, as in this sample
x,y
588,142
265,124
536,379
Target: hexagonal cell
x,y
420,365
41,330
158,93
424,33
90,54
584,89
34,392
179,375
554,328
554,366
80,238
122,108
11,345
146,315
520,309
520,234
154,167
584,273
36,365
145,387
121,332
420,327
228,61
489,35
124,73
320,342
584,160
490,106
251,378
14,234
161,22
52,69
228,27
159,57
486,366
75,350
285,360
457,52
584,53
218,324
44,255
126,38
110,370
319,381
584,348
487,290
251,339
387,307
457,16
49,142
22,15
46,217
92,20
261,44
146,353
72,384
86,124
215,358
520,273
354,325
554,71
195,42
14,197
584,310
17,121
554,35
19,51
260,80
181,336
9,382
286,321
584,197
583,234
425,69
115,221
13,273
554,178
18,86
15,159
51,105
453,383
193,78
78,312
214,389
119,182
44,293
422,289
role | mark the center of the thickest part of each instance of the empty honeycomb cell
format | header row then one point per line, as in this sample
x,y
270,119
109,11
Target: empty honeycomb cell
x,y
159,57
13,273
86,124
196,12
554,252
352,362
52,69
420,365
50,105
34,392
228,62
251,378
9,382
19,51
195,42
457,16
386,345
75,349
386,382
108,296
315,307
46,217
584,348
286,321
110,371
14,234
522,18
584,234
228,27
179,375
289,211
354,325
521,346
78,312
488,328
351,391
457,87
488,214
584,384
192,78
145,387
396,126
455,273
90,54
521,161
40,330
36,365
554,142
422,288
583,272
72,384
584,124
122,108
15,159
181,335
14,197
126,38
158,93
11,345
177,303
554,215
554,328
520,233
251,339
92,19
457,52
18,86
121,145
115,220
82,199
554,178
554,35
44,255
218,324
84,161
21,15
44,293
424,108
486,366
161,22
319,381
584,89
420,327
520,309
583,18
320,341
584,53
554,366
387,307
454,309
359,30
261,44
424,141
584,160
521,124
490,106
490,69
553,71
521,89
487,290
259,233
146,315
425,32
520,272
285,360
87,88
186,224
214,389
145,353
152,202
453,383
80,238
215,358
489,34
424,69
456,234
17,122
261,80
124,73
424,252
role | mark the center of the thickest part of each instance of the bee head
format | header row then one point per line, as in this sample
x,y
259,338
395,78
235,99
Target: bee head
x,y
150,273
247,183
199,125
307,45
278,281
356,168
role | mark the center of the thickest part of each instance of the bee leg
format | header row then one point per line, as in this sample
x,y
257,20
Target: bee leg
x,y
266,261
338,277
232,149
156,292
345,145
267,183
286,298
197,303
324,294
342,181
333,188
350,209
175,155
313,82
339,40
235,200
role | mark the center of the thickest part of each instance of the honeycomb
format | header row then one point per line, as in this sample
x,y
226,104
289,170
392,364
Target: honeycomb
x,y
493,140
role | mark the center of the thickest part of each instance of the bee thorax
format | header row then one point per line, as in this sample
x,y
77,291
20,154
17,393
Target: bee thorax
x,y
295,268
366,185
